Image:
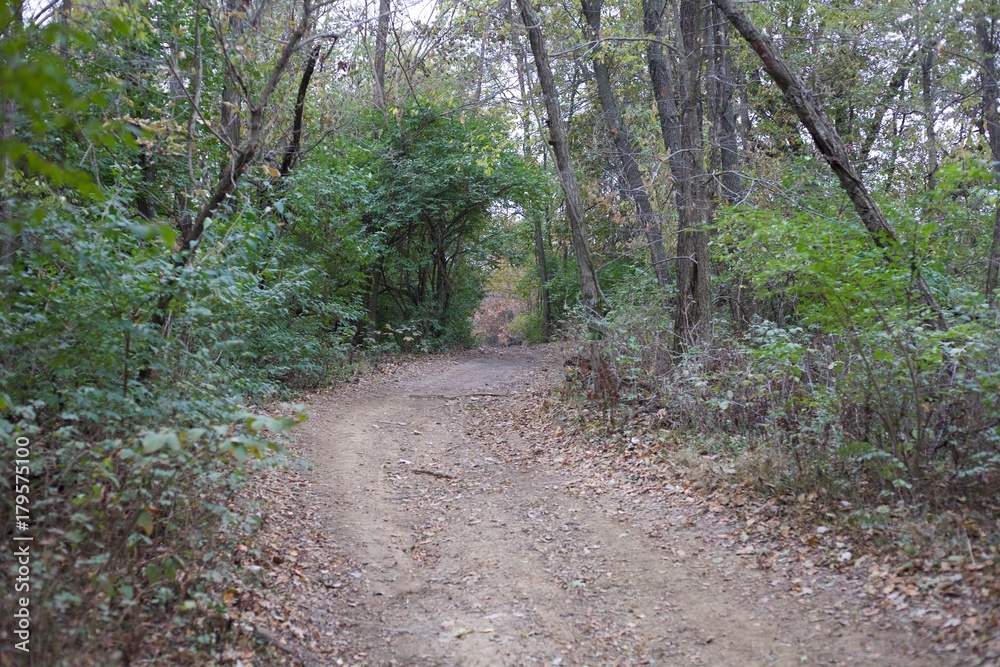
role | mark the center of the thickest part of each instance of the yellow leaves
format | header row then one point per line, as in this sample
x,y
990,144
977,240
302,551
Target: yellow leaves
x,y
145,522
271,171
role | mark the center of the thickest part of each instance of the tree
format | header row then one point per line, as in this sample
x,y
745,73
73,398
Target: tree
x,y
621,137
242,154
832,147
381,43
721,82
590,288
693,315
986,32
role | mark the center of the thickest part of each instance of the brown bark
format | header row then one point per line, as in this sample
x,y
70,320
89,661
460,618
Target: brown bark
x,y
524,84
381,41
543,276
244,154
693,315
232,100
662,82
664,93
721,86
292,151
927,61
144,202
985,33
590,289
830,144
624,145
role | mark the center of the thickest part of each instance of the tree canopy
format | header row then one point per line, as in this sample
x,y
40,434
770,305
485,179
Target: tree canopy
x,y
777,223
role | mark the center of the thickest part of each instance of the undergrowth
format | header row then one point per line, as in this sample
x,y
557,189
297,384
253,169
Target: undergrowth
x,y
879,413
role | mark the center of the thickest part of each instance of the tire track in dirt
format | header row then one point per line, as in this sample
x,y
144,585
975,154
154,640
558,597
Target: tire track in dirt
x,y
494,560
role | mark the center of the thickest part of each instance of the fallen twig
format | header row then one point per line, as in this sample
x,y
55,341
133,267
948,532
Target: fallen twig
x,y
451,398
434,473
304,656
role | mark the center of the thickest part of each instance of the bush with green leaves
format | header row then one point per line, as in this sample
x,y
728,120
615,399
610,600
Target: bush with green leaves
x,y
137,439
854,390
441,182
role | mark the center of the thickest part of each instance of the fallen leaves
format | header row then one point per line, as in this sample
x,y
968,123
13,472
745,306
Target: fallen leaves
x,y
954,597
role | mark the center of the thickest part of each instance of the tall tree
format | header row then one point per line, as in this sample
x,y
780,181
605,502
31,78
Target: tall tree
x,y
241,158
694,303
381,41
527,107
229,111
928,58
986,33
295,143
590,288
664,93
624,144
830,144
721,86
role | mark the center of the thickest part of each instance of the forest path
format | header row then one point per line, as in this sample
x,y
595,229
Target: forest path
x,y
468,550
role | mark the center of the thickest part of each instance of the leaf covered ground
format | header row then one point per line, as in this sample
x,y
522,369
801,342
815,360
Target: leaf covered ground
x,y
466,510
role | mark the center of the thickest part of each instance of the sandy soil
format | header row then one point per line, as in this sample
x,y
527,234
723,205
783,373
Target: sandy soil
x,y
471,549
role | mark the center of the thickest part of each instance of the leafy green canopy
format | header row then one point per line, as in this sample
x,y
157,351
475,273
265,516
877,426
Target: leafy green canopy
x,y
443,183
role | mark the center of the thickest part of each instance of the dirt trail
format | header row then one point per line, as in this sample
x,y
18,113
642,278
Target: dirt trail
x,y
470,551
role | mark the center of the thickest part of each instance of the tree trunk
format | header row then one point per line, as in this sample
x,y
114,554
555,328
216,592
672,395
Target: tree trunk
x,y
661,79
986,34
524,85
590,289
543,276
928,58
481,68
693,315
244,154
381,40
721,87
232,100
896,85
292,151
833,149
665,94
144,201
624,144
8,111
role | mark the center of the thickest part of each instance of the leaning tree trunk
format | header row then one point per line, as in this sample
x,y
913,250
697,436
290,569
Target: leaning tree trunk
x,y
524,85
593,298
985,32
528,106
830,144
295,145
624,144
693,315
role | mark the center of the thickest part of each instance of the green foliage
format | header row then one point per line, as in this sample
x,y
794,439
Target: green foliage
x,y
442,183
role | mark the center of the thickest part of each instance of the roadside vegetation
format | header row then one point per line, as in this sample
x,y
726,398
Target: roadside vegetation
x,y
776,236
